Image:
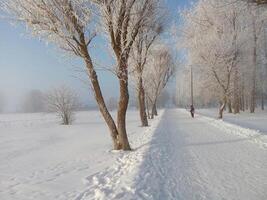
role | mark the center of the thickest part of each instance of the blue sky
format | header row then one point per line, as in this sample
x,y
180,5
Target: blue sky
x,y
27,63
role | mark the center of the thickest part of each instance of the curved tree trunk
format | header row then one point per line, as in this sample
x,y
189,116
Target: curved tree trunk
x,y
104,111
141,102
99,97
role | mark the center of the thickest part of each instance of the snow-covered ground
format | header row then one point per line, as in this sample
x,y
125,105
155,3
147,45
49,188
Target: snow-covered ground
x,y
256,121
40,159
177,157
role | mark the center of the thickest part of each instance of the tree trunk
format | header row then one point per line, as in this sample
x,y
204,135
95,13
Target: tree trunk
x,y
141,101
122,107
237,105
236,92
222,106
242,102
242,96
262,100
98,95
147,108
247,102
154,110
102,106
253,96
229,106
253,90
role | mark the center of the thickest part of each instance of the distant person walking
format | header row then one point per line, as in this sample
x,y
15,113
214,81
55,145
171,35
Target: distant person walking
x,y
192,111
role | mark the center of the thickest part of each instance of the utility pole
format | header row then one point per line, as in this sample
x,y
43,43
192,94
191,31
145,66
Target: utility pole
x,y
192,86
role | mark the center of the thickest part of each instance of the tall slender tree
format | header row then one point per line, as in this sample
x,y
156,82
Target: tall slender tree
x,y
161,68
141,49
123,20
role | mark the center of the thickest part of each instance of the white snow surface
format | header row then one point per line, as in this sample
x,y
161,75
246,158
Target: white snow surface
x,y
177,157
256,121
42,160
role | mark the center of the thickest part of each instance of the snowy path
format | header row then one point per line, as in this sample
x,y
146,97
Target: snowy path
x,y
185,159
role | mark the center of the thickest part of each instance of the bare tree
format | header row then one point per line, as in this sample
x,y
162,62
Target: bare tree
x,y
145,39
161,68
256,30
139,55
64,102
122,22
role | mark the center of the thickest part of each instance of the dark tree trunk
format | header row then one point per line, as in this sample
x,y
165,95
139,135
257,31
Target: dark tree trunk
x,y
262,100
242,96
141,102
236,92
237,106
246,103
154,110
253,98
100,100
147,108
229,106
122,107
253,90
242,103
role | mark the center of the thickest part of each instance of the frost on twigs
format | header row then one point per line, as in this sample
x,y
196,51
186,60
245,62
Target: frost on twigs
x,y
64,102
60,22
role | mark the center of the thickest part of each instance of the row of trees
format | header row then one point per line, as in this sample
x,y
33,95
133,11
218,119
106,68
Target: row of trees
x,y
130,27
226,46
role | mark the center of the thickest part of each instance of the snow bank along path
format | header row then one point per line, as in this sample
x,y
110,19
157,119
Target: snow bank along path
x,y
254,135
255,121
185,158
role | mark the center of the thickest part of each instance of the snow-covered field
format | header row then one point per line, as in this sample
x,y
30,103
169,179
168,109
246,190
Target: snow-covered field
x,y
40,159
177,157
256,121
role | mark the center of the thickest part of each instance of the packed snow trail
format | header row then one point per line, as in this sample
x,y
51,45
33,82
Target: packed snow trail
x,y
186,159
